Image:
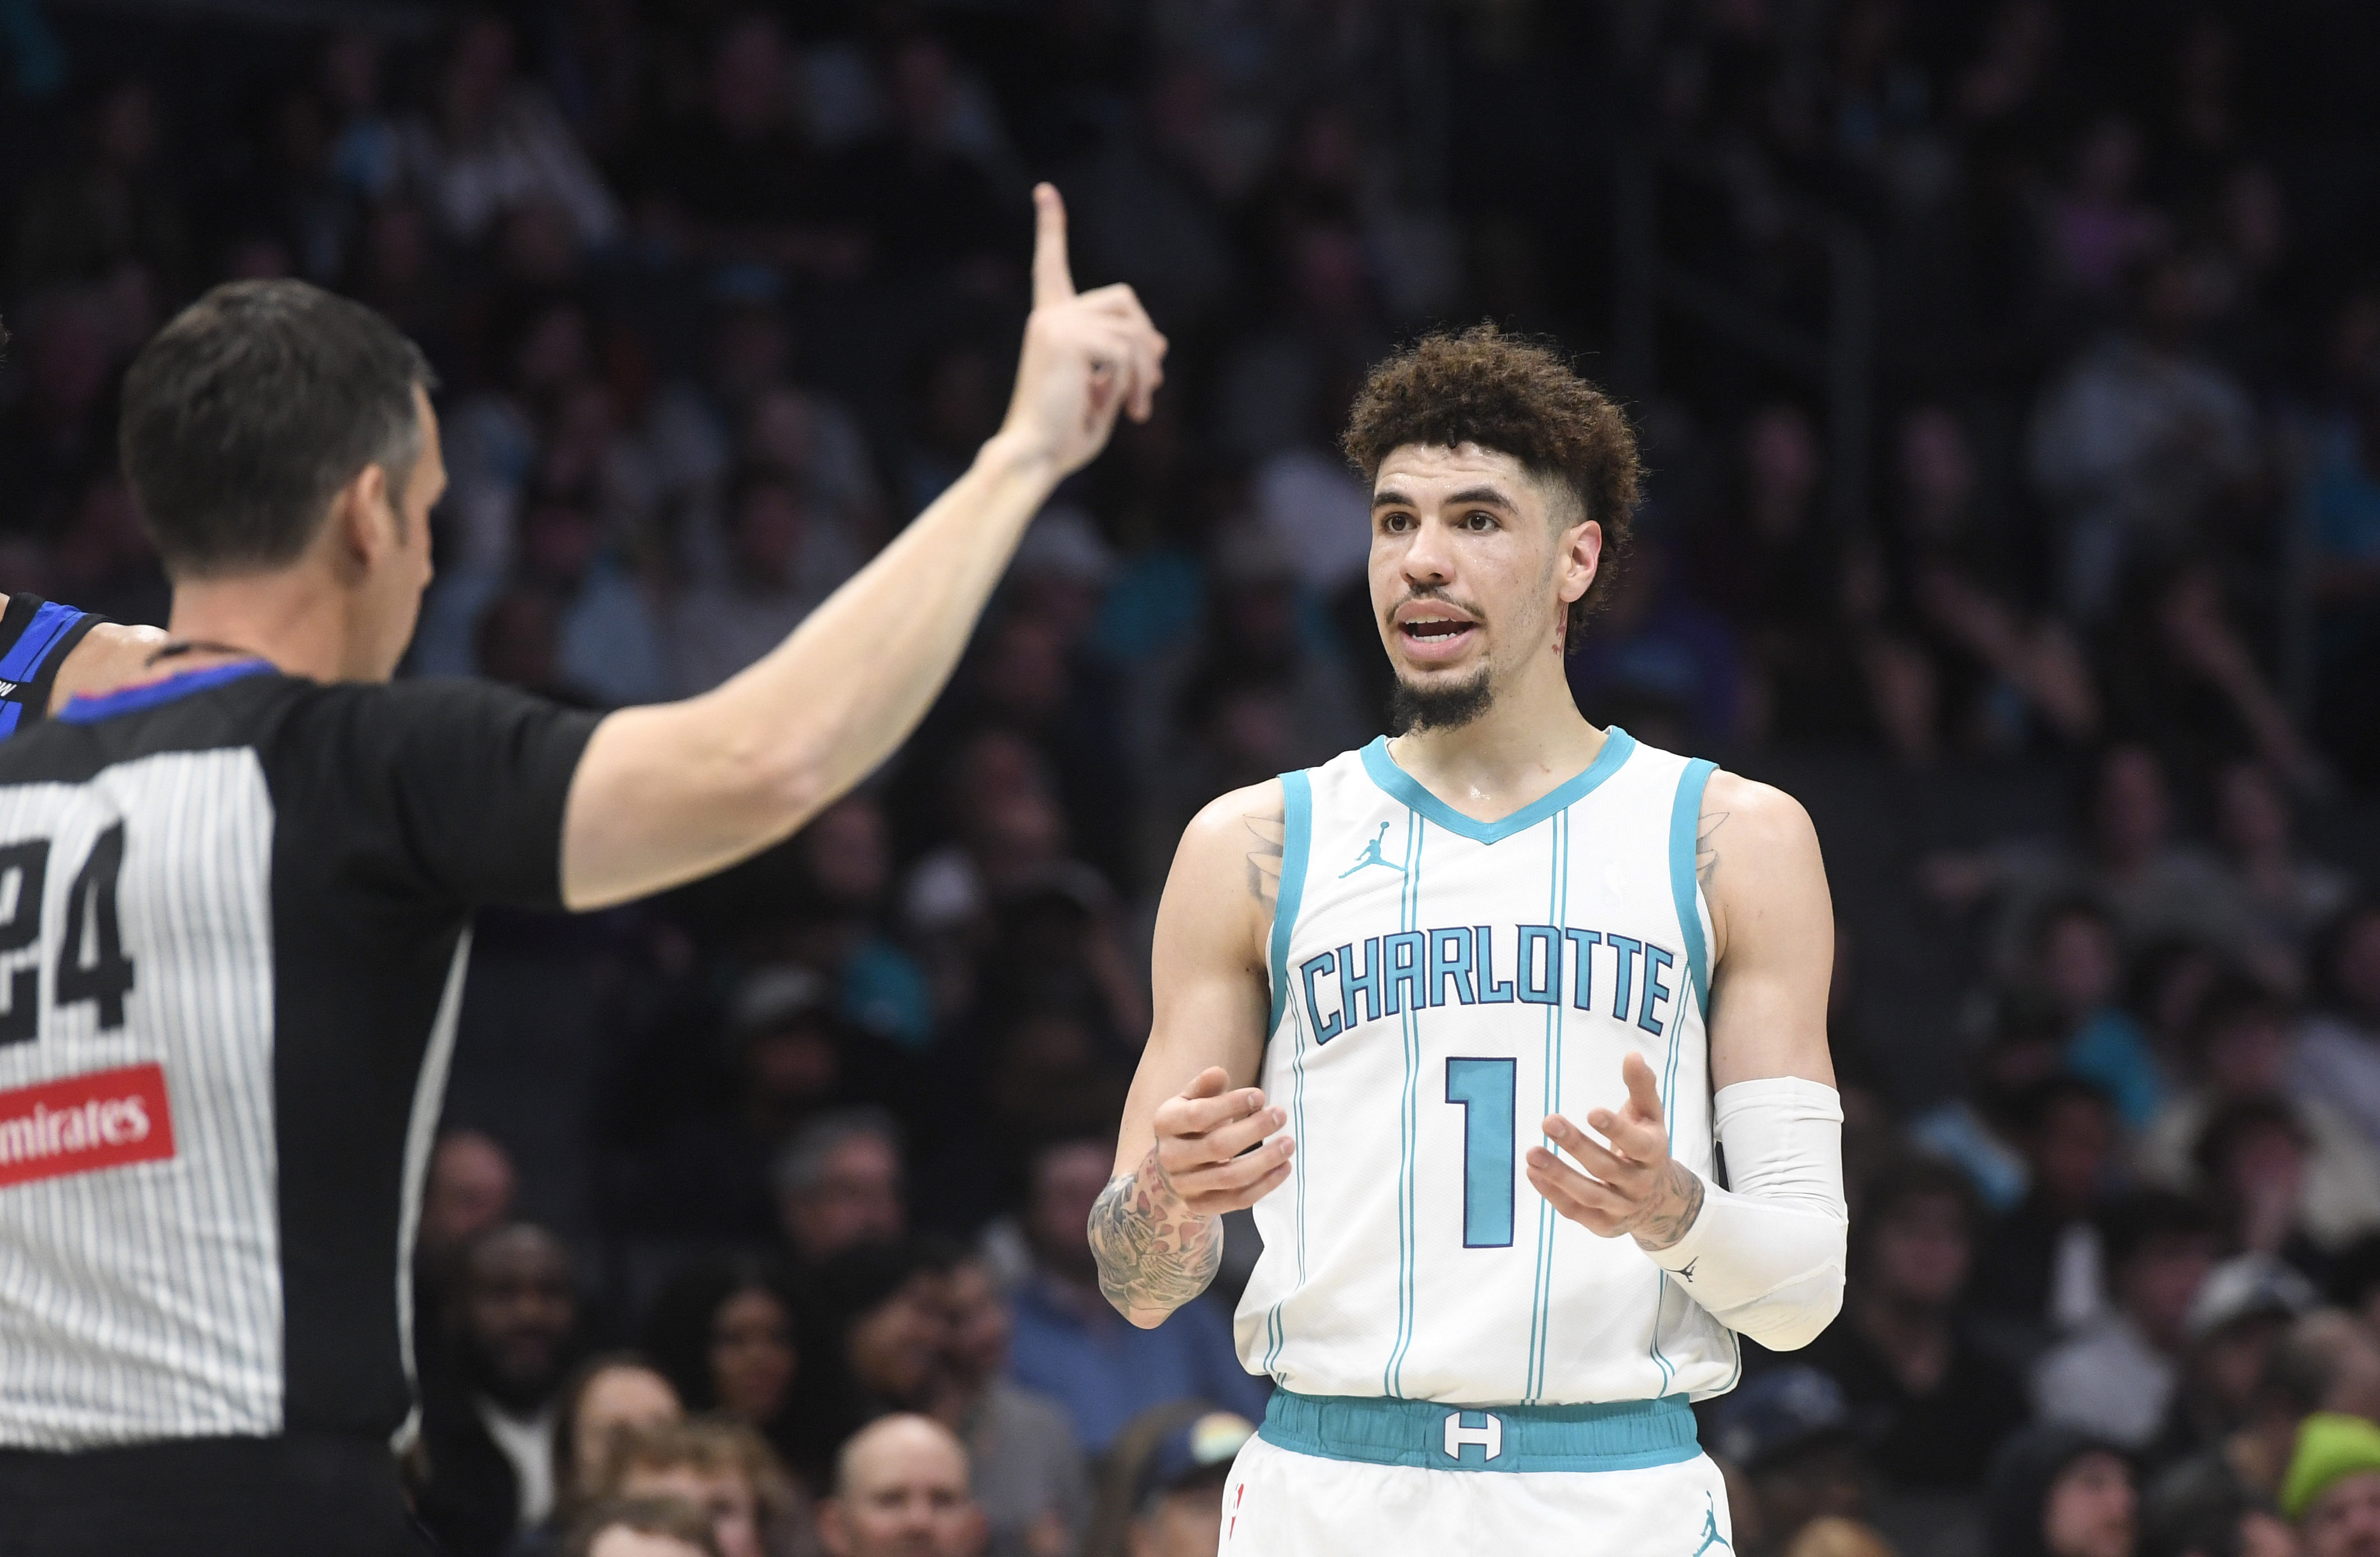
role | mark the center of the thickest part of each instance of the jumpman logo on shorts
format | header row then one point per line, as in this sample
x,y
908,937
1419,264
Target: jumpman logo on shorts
x,y
1710,1529
1372,855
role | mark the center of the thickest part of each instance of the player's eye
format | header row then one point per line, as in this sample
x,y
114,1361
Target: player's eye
x,y
1478,521
1396,523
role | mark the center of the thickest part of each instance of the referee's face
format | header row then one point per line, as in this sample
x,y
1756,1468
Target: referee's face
x,y
392,588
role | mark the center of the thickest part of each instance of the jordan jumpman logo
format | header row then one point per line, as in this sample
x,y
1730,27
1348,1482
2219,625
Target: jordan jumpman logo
x,y
1710,1529
1372,855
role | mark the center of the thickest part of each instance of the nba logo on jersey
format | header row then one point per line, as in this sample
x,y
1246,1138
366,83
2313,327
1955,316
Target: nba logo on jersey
x,y
1439,984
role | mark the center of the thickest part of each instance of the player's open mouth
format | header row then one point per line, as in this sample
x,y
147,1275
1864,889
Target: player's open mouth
x,y
1436,638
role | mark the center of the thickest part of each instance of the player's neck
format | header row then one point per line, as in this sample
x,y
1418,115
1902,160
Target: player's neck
x,y
284,617
1531,740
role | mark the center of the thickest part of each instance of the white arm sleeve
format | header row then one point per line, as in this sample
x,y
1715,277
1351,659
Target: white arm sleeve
x,y
1767,1257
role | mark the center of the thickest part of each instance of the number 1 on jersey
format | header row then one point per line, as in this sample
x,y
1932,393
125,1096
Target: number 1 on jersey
x,y
1484,1090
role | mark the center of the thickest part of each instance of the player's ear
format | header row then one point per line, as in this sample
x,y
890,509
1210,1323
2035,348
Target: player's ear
x,y
1581,558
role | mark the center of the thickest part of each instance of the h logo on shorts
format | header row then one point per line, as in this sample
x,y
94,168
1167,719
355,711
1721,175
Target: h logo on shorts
x,y
1490,1435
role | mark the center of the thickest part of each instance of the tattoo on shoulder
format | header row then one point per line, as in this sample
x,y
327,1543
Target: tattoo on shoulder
x,y
1707,847
1151,1253
1267,836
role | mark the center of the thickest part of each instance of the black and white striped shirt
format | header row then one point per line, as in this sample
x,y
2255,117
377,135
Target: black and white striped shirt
x,y
233,924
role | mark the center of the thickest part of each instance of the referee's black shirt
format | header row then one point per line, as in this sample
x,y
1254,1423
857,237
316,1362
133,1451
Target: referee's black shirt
x,y
233,926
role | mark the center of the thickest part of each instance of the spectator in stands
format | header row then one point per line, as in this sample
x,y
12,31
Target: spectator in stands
x,y
1030,1479
2078,966
878,1340
723,1333
656,1527
772,579
2124,856
112,202
608,640
2251,1168
2056,1491
1982,1128
605,1398
1790,1433
2196,1510
2235,1326
838,1184
2326,1361
488,1420
2284,895
2182,672
469,1190
722,1469
2137,439
1930,1403
1992,663
901,1490
1074,1347
2333,1490
495,143
846,872
927,206
1783,586
2041,1265
2242,1039
2115,1378
1179,1512
737,178
2338,1049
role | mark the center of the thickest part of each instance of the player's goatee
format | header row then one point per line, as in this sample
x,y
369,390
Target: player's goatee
x,y
1443,707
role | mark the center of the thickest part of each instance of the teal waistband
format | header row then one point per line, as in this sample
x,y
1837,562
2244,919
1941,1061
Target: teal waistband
x,y
1429,1435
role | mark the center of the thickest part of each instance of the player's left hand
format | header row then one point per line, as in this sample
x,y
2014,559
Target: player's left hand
x,y
1631,1185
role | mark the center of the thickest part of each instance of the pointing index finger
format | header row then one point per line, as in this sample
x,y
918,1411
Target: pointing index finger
x,y
1643,1096
1053,280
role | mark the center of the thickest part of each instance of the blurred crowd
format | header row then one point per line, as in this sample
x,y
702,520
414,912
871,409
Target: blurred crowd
x,y
767,1199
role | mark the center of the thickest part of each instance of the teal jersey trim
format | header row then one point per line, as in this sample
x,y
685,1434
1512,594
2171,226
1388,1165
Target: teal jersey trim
x,y
1685,815
1541,1317
1369,1430
1383,771
1297,833
1408,1125
1685,818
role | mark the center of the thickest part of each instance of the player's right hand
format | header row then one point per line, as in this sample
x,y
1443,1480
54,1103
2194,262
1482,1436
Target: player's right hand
x,y
1087,356
1203,1140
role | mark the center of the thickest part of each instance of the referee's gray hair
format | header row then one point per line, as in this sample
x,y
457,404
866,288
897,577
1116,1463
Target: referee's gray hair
x,y
801,1164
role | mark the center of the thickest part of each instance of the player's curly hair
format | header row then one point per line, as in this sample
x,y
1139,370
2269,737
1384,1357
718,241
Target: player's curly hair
x,y
1518,397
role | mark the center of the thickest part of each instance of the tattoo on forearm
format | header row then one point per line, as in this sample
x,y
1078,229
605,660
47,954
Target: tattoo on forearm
x,y
1270,833
1660,1231
1707,847
1152,1254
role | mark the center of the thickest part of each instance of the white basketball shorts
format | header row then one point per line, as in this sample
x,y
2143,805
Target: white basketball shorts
x,y
1349,1475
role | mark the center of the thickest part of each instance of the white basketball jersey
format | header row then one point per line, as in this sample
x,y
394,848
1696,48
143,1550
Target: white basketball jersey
x,y
1439,985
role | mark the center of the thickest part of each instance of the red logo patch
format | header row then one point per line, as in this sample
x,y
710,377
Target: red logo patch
x,y
82,1123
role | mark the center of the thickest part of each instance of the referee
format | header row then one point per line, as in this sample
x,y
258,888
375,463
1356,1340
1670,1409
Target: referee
x,y
234,899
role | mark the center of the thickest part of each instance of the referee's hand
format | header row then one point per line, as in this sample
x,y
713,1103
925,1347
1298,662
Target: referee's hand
x,y
1631,1185
1203,1137
1087,356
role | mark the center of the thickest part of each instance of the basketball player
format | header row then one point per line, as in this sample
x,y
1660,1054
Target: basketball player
x,y
50,654
1486,1331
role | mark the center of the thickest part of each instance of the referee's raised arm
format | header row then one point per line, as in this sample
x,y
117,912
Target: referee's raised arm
x,y
668,793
